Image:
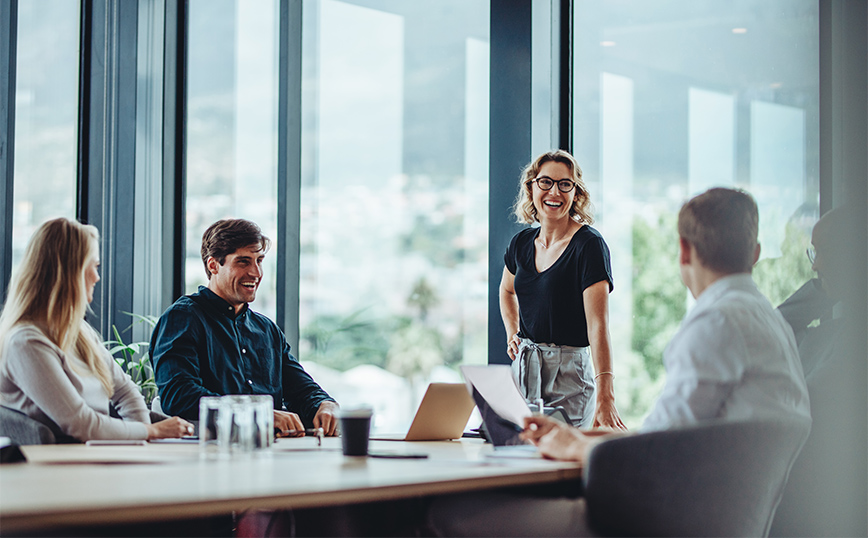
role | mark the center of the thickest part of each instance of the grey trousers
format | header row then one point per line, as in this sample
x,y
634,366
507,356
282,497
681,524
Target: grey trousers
x,y
560,375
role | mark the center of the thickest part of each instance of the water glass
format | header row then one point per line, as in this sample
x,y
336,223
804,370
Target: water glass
x,y
235,426
211,409
263,422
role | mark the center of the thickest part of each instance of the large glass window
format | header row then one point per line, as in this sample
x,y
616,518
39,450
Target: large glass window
x,y
673,97
232,127
46,116
394,201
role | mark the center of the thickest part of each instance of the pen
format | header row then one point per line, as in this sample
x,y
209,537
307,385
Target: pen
x,y
306,431
316,432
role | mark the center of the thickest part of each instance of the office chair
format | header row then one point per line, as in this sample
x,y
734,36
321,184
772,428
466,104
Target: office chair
x,y
23,430
826,493
715,479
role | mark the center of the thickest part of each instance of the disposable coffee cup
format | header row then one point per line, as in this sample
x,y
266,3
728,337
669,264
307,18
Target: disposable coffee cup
x,y
355,430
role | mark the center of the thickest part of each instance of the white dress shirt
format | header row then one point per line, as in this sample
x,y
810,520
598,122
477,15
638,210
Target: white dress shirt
x,y
733,358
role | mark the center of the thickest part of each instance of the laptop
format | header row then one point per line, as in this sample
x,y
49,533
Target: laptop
x,y
443,413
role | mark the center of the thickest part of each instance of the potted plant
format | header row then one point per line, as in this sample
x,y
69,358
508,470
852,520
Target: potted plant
x,y
135,359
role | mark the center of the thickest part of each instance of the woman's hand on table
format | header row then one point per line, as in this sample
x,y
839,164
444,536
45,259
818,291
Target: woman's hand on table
x,y
172,427
606,416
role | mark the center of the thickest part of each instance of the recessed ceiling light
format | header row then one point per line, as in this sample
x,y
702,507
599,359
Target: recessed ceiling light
x,y
607,43
739,30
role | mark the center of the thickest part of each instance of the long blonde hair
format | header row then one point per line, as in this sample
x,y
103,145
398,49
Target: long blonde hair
x,y
49,290
580,210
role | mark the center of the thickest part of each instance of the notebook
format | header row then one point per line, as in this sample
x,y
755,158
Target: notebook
x,y
443,413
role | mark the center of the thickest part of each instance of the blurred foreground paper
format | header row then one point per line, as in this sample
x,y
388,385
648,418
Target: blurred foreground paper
x,y
496,384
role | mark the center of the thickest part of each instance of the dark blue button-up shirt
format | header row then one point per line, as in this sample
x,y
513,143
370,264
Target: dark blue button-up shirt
x,y
199,347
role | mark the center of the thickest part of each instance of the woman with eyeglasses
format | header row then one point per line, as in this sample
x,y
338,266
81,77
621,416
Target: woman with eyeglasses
x,y
53,367
554,296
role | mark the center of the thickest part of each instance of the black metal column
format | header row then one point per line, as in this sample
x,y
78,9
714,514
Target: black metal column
x,y
565,69
510,144
174,148
107,144
289,169
8,54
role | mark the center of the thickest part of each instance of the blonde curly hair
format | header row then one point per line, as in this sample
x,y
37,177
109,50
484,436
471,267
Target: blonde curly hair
x,y
524,210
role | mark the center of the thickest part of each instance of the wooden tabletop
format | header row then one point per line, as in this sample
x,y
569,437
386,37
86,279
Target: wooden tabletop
x,y
82,485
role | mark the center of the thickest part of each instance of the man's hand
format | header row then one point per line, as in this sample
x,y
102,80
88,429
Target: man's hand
x,y
327,417
555,439
285,421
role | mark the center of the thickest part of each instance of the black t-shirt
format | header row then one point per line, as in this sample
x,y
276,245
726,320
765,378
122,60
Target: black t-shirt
x,y
551,310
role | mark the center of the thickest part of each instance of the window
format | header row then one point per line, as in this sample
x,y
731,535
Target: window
x,y
46,116
394,201
673,97
232,128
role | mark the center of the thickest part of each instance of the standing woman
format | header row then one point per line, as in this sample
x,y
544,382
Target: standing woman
x,y
554,296
53,367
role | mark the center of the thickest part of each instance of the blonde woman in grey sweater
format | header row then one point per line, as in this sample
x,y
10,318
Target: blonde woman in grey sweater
x,y
52,365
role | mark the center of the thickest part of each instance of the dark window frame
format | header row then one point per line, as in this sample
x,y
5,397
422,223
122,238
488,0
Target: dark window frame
x,y
8,57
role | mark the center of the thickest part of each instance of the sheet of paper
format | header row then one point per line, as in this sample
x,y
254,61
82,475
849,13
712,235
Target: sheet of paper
x,y
495,383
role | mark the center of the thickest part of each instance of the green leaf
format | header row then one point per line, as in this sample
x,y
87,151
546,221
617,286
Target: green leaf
x,y
115,349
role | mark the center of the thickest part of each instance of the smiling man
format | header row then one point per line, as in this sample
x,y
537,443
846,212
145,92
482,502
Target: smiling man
x,y
211,343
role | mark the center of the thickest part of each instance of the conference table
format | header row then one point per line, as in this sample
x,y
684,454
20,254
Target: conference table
x,y
78,485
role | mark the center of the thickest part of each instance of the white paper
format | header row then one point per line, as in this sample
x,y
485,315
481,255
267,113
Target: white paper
x,y
496,384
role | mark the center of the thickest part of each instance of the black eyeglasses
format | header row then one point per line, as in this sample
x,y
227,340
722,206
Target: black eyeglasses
x,y
546,183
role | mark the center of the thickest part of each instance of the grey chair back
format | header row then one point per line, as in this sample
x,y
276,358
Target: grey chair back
x,y
23,430
716,479
827,493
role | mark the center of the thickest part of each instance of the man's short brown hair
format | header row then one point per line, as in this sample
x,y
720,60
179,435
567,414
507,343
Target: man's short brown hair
x,y
226,236
722,225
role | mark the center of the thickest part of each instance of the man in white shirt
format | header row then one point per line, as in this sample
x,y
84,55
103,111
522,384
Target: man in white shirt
x,y
733,358
826,493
